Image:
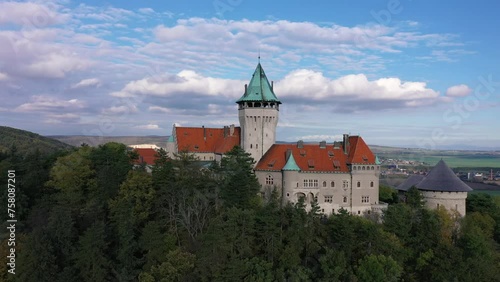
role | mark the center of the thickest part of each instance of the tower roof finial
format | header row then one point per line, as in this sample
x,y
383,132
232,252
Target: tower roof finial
x,y
259,55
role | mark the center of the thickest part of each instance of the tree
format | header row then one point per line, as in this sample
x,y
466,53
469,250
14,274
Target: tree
x,y
91,257
414,198
175,267
388,195
240,186
378,268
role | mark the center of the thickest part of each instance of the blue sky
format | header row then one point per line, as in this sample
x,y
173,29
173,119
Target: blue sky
x,y
399,73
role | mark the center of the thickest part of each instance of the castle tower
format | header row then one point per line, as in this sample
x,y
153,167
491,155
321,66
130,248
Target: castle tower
x,y
258,110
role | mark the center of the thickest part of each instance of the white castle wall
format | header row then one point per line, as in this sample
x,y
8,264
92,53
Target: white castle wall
x,y
450,200
258,130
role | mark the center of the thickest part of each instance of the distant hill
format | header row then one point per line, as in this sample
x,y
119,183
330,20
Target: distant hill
x,y
26,141
77,140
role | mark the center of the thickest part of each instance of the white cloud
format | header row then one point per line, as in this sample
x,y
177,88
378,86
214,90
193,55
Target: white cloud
x,y
146,10
148,126
31,15
185,82
3,76
460,90
44,103
314,86
87,82
120,110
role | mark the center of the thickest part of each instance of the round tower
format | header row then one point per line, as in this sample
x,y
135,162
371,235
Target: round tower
x,y
258,110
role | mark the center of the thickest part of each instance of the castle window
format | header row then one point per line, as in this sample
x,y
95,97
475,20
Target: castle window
x,y
324,183
345,184
344,199
358,184
311,183
371,184
373,168
353,167
251,146
329,199
288,194
269,180
365,199
332,184
362,168
256,146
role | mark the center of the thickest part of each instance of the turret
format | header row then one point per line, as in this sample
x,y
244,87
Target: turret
x,y
258,110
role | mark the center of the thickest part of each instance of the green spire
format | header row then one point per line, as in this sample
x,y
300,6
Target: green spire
x,y
170,138
259,89
291,164
377,161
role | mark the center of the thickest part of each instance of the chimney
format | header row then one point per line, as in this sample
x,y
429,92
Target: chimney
x,y
345,143
322,144
204,133
225,131
300,144
231,130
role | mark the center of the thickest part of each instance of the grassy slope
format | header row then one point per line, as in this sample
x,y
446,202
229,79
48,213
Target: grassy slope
x,y
26,141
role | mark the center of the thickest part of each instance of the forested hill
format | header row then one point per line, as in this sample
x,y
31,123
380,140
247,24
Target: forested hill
x,y
26,141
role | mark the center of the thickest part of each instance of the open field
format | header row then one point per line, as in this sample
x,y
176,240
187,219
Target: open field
x,y
489,192
454,158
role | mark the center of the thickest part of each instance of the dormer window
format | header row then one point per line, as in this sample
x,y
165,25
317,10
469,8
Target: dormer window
x,y
336,164
303,152
271,163
310,164
331,154
365,158
196,147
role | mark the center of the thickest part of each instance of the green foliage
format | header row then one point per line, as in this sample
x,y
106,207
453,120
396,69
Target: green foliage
x,y
240,186
91,257
388,195
28,142
378,268
414,198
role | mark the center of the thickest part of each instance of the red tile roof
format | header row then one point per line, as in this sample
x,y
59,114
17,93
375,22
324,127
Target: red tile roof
x,y
146,155
314,158
207,140
359,152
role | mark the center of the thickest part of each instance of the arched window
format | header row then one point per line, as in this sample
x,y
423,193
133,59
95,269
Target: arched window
x,y
362,168
371,184
269,180
251,146
332,184
324,183
353,167
344,199
373,168
359,184
256,146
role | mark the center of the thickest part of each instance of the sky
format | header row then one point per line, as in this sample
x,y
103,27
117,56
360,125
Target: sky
x,y
397,72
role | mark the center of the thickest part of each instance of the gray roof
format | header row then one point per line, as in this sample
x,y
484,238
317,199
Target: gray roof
x,y
413,180
441,178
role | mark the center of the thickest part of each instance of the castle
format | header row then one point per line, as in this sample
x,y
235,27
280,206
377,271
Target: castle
x,y
339,175
440,187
